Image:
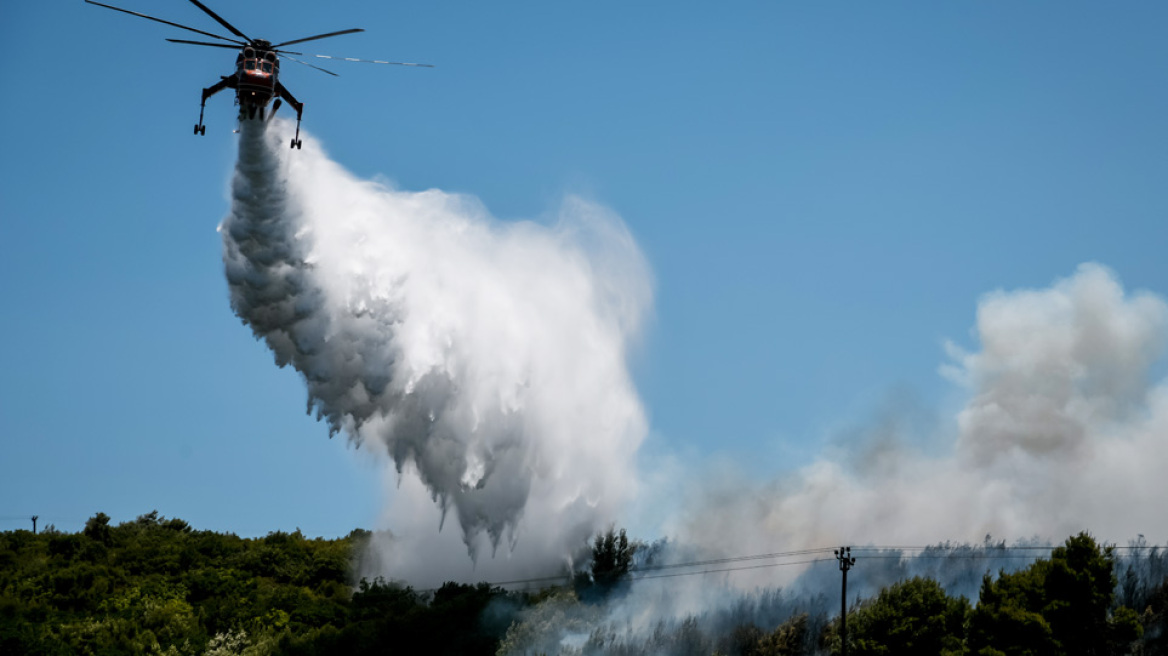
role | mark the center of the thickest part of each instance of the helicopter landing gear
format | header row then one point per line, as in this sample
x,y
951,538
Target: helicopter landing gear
x,y
222,84
199,127
296,142
298,106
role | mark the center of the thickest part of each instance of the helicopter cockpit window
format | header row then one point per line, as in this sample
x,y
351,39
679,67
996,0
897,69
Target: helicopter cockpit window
x,y
249,64
267,67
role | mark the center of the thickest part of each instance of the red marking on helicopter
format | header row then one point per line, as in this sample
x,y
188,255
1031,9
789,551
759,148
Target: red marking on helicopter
x,y
256,79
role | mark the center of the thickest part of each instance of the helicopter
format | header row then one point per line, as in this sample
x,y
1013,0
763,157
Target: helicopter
x,y
256,79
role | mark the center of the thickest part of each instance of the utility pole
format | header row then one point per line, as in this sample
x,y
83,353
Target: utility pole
x,y
844,556
34,518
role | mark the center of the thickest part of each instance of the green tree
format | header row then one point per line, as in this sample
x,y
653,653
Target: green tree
x,y
1055,606
790,639
611,557
1002,625
910,618
97,528
1080,582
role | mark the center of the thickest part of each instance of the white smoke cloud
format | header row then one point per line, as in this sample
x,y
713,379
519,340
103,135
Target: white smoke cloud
x,y
1063,431
488,359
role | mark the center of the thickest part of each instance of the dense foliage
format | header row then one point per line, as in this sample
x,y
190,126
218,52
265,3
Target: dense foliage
x,y
155,586
1061,606
910,618
1065,605
612,556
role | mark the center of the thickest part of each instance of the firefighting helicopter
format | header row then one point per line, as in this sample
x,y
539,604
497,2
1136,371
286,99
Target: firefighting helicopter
x,y
256,79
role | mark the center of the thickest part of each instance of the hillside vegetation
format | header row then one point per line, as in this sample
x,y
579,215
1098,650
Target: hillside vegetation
x,y
156,586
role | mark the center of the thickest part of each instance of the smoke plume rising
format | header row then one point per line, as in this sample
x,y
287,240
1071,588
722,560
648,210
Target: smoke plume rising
x,y
487,359
1063,430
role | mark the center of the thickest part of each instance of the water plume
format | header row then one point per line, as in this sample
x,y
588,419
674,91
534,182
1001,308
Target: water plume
x,y
486,358
488,361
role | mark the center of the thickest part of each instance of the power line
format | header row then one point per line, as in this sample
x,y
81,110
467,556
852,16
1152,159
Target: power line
x,y
999,547
734,559
55,518
951,553
735,569
696,563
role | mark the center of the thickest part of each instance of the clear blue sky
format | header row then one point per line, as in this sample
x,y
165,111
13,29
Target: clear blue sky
x,y
823,191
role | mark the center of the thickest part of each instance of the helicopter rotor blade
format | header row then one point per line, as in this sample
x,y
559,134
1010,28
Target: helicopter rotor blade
x,y
219,19
165,22
319,36
323,70
373,61
204,43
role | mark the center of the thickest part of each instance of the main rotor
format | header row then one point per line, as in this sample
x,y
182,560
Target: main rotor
x,y
244,40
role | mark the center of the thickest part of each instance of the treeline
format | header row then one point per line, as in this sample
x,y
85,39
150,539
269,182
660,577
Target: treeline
x,y
1063,605
155,586
1070,604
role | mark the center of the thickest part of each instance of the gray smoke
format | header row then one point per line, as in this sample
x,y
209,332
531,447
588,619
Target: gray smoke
x,y
1064,429
487,359
699,609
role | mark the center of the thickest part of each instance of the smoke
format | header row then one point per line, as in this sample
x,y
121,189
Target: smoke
x,y
1063,430
487,359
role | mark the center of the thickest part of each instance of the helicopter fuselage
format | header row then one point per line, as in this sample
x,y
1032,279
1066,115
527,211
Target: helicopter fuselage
x,y
256,82
257,74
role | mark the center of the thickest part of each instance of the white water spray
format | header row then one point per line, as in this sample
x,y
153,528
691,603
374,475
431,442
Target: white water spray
x,y
487,358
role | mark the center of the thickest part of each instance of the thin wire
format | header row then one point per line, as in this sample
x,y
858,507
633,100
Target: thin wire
x,y
985,555
987,549
733,559
698,563
735,569
952,557
28,517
